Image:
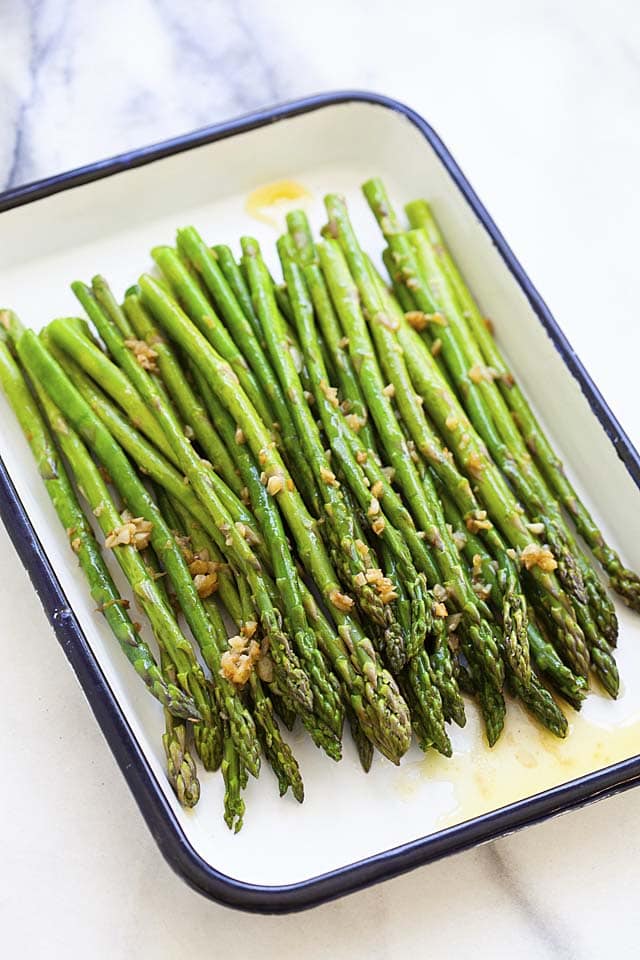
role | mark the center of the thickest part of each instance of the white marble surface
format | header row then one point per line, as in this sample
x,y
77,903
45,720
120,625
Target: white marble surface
x,y
539,102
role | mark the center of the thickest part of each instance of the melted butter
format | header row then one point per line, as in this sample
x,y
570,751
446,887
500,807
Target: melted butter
x,y
271,202
526,760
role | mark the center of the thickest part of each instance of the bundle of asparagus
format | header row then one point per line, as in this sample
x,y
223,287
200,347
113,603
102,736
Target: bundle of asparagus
x,y
349,472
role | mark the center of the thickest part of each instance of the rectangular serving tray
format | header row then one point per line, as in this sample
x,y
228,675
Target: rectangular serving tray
x,y
352,830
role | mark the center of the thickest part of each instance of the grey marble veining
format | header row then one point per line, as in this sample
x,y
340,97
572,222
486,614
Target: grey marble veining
x,y
539,101
93,79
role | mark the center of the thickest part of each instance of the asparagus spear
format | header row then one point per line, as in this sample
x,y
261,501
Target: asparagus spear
x,y
73,339
43,369
600,651
277,751
191,411
238,286
203,314
326,703
103,590
181,768
235,780
145,589
361,441
486,408
488,412
331,645
337,520
201,479
496,495
513,607
545,657
535,697
350,390
443,668
452,422
182,771
325,634
251,343
491,701
387,713
572,566
151,462
240,606
337,434
422,499
624,581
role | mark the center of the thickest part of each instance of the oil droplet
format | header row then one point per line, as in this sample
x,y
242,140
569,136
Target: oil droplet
x,y
271,202
526,760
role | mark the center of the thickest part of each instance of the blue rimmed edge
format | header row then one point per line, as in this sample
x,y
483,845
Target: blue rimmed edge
x,y
147,791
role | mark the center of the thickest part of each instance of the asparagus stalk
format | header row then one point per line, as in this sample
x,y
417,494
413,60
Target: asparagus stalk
x,y
200,256
624,581
422,499
181,768
145,589
513,608
389,721
572,566
72,338
337,520
103,590
201,479
150,461
238,286
544,655
488,411
190,409
360,438
326,703
240,606
199,308
235,780
330,644
337,434
491,416
352,397
443,668
471,454
503,509
277,751
44,369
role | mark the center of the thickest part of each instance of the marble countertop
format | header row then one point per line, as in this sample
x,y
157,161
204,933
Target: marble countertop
x,y
539,103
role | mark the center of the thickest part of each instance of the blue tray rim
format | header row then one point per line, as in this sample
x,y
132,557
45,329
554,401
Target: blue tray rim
x,y
155,809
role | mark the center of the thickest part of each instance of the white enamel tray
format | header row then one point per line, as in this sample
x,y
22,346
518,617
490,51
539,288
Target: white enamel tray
x,y
352,829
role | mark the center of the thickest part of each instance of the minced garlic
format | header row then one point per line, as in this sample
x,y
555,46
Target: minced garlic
x,y
133,531
144,354
331,393
374,507
274,485
478,521
534,555
328,477
238,661
378,526
354,422
417,319
341,601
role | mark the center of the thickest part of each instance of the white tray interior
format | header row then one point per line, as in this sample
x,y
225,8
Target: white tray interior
x,y
108,227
